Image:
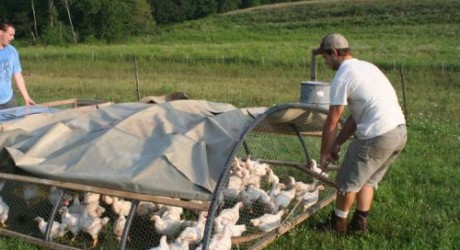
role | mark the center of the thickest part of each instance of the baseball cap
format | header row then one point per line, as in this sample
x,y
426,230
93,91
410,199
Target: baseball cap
x,y
331,41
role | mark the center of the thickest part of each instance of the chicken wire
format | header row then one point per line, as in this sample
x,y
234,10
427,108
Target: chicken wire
x,y
289,188
282,142
87,220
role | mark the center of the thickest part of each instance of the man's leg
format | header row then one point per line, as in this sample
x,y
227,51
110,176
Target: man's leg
x,y
359,221
345,201
343,204
365,197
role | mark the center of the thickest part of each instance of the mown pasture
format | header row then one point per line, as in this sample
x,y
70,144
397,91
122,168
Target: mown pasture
x,y
259,57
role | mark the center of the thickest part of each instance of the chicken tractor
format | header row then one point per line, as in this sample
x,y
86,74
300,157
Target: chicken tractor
x,y
183,174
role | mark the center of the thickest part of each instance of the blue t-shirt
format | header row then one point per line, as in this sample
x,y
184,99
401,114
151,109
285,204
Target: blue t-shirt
x,y
9,65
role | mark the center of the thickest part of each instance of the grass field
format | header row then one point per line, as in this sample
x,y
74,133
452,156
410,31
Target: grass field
x,y
259,57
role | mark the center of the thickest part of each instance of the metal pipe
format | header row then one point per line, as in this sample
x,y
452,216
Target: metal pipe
x,y
129,220
313,67
53,215
302,141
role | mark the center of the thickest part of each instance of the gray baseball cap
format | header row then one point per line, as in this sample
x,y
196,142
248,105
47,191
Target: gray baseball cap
x,y
331,41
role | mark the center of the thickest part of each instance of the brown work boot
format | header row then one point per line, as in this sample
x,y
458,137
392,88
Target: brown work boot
x,y
339,225
359,224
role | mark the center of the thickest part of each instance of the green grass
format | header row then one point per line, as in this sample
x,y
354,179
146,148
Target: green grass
x,y
259,57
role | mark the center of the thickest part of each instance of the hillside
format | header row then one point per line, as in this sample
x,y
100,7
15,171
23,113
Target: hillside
x,y
415,33
387,30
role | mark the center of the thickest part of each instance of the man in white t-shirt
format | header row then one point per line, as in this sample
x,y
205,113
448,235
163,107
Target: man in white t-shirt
x,y
378,121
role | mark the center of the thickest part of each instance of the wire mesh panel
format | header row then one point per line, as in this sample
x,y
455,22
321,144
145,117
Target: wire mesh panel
x,y
22,204
93,220
167,224
272,181
55,215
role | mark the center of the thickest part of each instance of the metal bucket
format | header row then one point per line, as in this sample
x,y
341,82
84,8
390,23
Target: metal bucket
x,y
315,92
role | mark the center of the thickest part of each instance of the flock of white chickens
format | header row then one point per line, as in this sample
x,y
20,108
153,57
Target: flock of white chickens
x,y
253,189
245,193
86,216
75,215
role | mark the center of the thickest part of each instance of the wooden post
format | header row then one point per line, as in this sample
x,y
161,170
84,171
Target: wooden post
x,y
137,80
403,91
313,67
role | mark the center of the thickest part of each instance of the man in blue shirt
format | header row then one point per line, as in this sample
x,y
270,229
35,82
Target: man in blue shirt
x,y
10,67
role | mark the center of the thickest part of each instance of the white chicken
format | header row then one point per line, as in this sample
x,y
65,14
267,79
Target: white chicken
x,y
301,188
272,177
70,221
235,185
93,209
311,198
222,240
252,194
55,194
171,213
314,167
4,212
179,245
76,206
283,199
57,230
194,234
92,226
255,167
229,216
249,195
237,168
120,206
166,226
118,227
268,222
146,208
107,199
163,244
250,179
30,192
276,190
90,197
237,230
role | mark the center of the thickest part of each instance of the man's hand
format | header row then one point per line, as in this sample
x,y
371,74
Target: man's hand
x,y
331,156
29,102
325,160
335,150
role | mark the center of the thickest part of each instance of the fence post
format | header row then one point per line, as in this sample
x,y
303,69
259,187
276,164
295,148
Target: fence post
x,y
404,92
137,79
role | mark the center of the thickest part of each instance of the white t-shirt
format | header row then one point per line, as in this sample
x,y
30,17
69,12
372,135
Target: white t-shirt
x,y
369,95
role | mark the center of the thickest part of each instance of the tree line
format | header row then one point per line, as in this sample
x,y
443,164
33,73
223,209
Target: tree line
x,y
76,21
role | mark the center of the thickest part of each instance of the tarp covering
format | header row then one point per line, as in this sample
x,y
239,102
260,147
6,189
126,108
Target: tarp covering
x,y
175,149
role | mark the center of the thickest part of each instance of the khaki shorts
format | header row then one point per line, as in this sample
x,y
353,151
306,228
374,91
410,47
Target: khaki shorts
x,y
367,161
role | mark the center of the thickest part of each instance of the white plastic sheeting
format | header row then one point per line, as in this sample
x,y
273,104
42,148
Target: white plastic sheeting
x,y
175,149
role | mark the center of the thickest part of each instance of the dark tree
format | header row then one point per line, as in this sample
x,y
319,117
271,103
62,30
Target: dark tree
x,y
228,5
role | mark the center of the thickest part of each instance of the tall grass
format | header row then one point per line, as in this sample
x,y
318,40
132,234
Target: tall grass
x,y
259,57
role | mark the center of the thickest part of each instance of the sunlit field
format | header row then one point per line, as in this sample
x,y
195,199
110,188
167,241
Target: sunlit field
x,y
259,57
